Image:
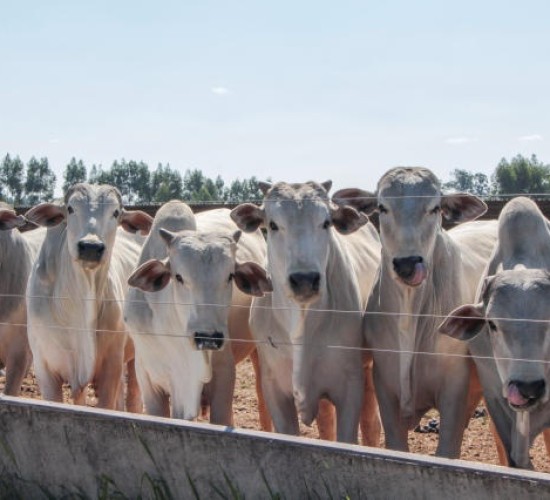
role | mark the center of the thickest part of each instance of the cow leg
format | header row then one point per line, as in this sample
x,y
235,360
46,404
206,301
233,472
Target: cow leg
x,y
265,419
325,420
108,380
222,387
134,402
370,424
546,435
348,408
395,430
50,384
18,363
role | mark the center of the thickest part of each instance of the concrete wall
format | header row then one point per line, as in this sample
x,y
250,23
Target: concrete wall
x,y
56,450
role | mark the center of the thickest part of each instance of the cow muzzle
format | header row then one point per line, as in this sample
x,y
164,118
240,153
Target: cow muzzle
x,y
205,341
523,396
411,270
90,251
305,286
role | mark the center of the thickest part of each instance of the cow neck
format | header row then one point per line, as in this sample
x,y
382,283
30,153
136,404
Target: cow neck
x,y
410,328
78,299
521,440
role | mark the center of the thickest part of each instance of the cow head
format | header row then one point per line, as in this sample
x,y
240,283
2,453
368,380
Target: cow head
x,y
410,207
299,220
514,314
202,269
92,214
9,219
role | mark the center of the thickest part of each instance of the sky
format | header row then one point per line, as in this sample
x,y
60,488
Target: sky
x,y
290,90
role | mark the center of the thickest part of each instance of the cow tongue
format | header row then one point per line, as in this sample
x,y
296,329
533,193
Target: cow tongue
x,y
514,396
419,275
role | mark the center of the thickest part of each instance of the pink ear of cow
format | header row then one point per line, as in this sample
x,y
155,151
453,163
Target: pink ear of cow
x,y
464,323
9,219
252,279
46,214
136,220
462,207
151,276
363,201
248,217
346,219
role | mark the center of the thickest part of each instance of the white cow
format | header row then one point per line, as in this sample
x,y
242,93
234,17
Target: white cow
x,y
511,323
425,271
17,254
321,260
76,289
185,307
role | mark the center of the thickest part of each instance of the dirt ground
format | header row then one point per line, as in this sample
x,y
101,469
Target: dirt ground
x,y
478,444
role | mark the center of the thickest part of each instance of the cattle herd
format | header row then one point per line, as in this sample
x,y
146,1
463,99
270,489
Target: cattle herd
x,y
346,325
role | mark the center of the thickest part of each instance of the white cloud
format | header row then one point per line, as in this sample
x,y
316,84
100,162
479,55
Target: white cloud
x,y
54,141
460,140
219,90
530,138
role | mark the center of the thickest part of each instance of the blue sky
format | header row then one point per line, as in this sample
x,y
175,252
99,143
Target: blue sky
x,y
292,90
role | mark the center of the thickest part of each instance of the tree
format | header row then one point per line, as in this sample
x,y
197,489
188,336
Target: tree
x,y
521,175
12,173
198,187
40,182
243,191
74,172
468,182
166,184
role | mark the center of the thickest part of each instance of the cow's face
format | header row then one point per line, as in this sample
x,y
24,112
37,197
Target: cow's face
x,y
92,220
521,348
514,314
299,220
92,214
202,269
410,207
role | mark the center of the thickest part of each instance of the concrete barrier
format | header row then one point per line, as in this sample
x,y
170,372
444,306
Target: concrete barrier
x,y
53,450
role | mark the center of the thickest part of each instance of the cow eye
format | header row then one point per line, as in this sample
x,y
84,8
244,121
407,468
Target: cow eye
x,y
273,226
179,279
435,210
326,224
382,209
492,326
230,279
70,209
116,213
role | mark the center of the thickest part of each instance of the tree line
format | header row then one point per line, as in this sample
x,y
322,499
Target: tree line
x,y
35,182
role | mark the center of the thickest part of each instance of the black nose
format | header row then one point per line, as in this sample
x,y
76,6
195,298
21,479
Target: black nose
x,y
205,341
305,283
404,267
530,390
91,251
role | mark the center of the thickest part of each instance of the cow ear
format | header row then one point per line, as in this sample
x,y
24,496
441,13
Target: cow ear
x,y
464,323
151,276
462,207
136,220
327,185
264,187
252,279
46,214
167,236
346,219
363,201
9,219
248,217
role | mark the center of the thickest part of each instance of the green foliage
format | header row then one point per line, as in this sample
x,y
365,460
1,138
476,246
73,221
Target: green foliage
x,y
468,182
522,175
166,184
75,172
12,172
40,182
